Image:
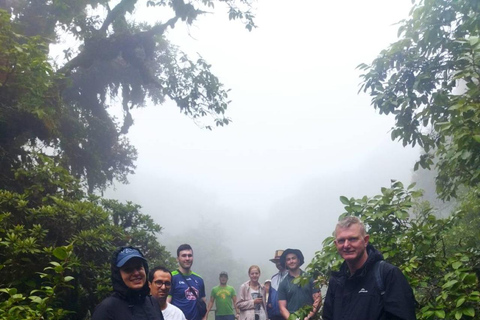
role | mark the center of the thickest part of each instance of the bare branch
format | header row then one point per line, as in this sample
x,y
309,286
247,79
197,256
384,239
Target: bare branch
x,y
119,11
110,47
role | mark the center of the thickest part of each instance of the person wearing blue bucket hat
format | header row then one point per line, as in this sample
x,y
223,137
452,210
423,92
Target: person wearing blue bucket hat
x,y
293,296
131,294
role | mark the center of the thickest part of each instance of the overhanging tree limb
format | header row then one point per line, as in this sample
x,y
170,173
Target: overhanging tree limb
x,y
118,11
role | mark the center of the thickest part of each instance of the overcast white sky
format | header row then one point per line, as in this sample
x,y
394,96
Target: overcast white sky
x,y
301,135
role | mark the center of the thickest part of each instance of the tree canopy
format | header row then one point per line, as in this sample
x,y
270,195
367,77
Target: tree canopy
x,y
429,80
59,142
62,107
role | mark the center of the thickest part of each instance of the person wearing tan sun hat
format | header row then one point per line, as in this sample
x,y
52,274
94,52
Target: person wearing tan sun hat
x,y
273,309
282,272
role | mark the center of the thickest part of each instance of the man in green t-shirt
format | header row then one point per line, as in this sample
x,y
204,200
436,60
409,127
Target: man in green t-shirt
x,y
225,299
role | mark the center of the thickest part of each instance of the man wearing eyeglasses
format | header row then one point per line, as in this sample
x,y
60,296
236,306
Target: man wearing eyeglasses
x,y
188,289
160,281
365,287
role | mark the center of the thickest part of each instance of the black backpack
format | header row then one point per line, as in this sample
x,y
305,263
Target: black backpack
x,y
379,271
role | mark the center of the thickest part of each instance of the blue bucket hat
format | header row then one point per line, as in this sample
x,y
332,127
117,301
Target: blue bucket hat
x,y
127,254
296,252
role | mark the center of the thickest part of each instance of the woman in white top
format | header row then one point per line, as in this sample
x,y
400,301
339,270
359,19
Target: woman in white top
x,y
251,298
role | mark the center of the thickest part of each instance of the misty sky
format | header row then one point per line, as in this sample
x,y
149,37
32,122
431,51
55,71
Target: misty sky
x,y
301,135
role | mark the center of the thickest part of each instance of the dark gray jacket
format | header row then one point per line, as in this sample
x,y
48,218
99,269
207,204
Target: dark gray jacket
x,y
358,297
127,304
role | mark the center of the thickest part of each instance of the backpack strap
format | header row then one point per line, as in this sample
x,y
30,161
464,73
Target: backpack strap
x,y
379,268
188,284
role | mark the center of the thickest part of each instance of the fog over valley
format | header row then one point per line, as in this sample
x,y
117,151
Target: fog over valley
x,y
301,136
233,131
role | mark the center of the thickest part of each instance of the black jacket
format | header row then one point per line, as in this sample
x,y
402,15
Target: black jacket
x,y
358,297
127,304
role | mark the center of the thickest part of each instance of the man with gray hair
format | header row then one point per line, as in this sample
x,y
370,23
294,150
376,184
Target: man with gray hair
x,y
366,287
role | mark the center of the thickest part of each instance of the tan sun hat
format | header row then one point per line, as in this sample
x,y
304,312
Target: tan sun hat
x,y
278,254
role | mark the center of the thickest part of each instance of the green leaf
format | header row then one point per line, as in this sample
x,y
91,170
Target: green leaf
x,y
401,215
60,253
449,284
460,302
477,137
458,315
440,314
473,40
471,278
35,299
428,314
415,167
466,155
452,108
469,312
68,278
344,200
456,265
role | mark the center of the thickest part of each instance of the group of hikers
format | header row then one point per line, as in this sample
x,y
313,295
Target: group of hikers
x,y
365,288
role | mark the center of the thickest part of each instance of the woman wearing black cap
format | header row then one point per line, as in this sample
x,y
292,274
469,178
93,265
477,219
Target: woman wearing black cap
x,y
131,297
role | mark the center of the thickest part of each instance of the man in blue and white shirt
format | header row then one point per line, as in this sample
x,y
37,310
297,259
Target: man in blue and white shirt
x,y
182,279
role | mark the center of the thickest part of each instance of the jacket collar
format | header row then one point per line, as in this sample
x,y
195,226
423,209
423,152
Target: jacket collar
x,y
292,277
373,256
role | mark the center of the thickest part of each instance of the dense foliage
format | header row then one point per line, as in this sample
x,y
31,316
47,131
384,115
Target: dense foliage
x,y
63,108
439,257
59,142
55,244
429,80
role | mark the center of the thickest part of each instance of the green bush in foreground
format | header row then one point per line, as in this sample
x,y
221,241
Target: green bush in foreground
x,y
55,244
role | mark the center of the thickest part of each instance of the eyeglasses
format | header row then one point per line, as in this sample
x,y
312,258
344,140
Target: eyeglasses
x,y
342,241
160,283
